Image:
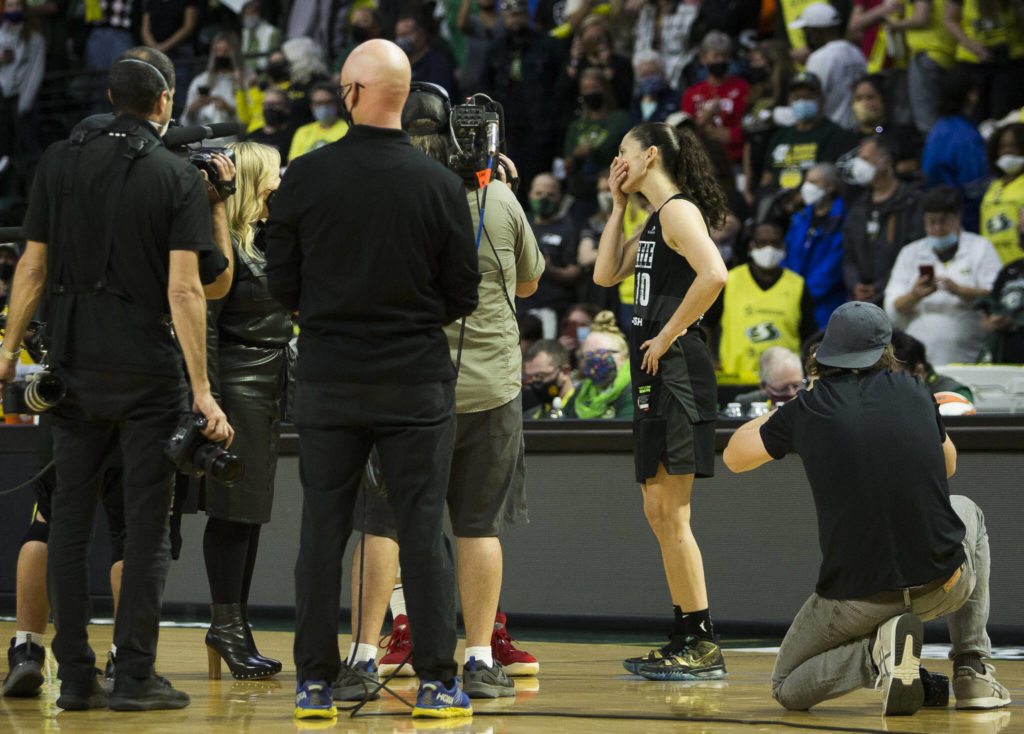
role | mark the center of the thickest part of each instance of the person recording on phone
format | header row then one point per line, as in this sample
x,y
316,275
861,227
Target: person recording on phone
x,y
116,227
935,280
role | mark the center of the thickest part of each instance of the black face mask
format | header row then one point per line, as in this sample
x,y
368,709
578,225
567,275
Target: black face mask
x,y
223,63
545,392
360,34
757,74
593,101
278,71
6,271
275,117
718,69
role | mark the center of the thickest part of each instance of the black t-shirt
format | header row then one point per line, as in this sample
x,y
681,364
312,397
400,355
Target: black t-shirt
x,y
559,240
167,16
872,449
160,206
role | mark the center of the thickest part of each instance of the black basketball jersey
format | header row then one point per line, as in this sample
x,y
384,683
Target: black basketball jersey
x,y
662,278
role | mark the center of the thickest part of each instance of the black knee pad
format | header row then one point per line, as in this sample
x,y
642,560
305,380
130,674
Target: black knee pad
x,y
39,531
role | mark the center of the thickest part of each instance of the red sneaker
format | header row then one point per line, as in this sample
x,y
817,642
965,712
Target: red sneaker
x,y
515,662
398,645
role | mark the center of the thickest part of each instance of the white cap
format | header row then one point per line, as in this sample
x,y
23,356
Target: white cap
x,y
817,15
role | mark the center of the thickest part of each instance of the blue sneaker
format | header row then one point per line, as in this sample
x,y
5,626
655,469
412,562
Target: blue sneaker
x,y
313,700
438,702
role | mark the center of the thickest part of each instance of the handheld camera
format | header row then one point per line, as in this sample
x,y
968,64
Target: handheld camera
x,y
194,455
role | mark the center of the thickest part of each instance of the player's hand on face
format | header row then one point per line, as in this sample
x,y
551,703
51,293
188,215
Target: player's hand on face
x,y
616,178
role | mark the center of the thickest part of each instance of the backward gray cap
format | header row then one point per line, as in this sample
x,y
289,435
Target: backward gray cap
x,y
856,336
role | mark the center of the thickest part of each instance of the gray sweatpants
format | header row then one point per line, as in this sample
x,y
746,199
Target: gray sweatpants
x,y
827,651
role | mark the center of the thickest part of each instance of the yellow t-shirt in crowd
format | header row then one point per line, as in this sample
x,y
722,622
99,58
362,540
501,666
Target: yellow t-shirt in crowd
x,y
990,29
312,136
1000,213
934,39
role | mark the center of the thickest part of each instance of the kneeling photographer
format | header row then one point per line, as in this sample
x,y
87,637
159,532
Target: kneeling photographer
x,y
116,226
487,490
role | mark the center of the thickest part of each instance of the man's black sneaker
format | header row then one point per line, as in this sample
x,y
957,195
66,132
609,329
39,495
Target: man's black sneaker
x,y
356,683
145,694
480,681
25,663
81,695
936,689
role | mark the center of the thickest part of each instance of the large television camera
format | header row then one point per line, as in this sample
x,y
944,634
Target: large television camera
x,y
39,391
477,136
194,455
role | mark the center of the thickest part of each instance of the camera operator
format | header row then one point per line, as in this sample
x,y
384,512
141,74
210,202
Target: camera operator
x,y
487,488
115,228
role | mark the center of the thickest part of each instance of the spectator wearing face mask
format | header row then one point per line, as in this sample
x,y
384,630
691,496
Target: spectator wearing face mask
x,y
654,100
717,104
412,34
259,37
593,48
327,126
1000,208
814,242
277,130
811,139
936,280
558,237
834,60
873,116
591,140
880,222
546,376
212,95
606,390
763,304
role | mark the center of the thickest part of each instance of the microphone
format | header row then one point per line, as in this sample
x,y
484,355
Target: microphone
x,y
178,136
10,234
492,138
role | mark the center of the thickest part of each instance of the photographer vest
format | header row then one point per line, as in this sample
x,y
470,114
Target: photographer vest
x,y
79,264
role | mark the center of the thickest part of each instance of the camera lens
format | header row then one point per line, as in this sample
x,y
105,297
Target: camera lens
x,y
221,465
44,392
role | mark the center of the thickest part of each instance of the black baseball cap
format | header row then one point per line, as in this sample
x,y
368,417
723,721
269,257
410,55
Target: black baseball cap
x,y
856,336
806,79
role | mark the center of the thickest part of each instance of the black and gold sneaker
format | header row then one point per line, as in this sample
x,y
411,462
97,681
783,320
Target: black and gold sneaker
x,y
699,660
674,645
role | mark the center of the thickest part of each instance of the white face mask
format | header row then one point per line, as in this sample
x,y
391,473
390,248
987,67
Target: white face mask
x,y
811,193
1011,165
862,173
767,257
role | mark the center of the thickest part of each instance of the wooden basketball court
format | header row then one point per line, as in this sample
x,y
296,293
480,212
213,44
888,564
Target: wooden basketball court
x,y
581,688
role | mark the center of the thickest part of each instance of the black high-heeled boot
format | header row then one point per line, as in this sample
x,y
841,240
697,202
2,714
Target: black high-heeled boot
x,y
227,640
275,664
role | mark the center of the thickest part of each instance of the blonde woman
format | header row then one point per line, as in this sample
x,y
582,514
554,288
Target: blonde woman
x,y
606,389
247,338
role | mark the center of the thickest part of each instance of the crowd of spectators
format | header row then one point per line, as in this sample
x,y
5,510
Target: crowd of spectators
x,y
833,127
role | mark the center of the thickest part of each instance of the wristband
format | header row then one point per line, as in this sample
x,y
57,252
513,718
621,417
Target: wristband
x,y
9,355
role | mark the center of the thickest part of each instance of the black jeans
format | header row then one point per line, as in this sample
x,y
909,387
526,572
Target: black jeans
x,y
104,410
413,427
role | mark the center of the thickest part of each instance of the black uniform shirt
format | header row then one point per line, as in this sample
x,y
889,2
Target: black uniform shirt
x,y
872,449
160,206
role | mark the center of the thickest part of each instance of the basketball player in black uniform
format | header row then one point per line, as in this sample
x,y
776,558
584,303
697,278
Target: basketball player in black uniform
x,y
679,274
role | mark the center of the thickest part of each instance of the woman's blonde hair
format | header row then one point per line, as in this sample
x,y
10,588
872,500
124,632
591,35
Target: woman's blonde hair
x,y
256,165
604,323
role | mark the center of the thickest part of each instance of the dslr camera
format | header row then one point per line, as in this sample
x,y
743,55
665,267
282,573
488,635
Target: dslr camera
x,y
194,454
36,394
202,159
477,135
41,390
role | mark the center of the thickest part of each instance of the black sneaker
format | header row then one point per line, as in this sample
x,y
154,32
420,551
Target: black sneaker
x,y
701,660
667,650
936,689
109,673
81,695
479,681
145,694
355,682
25,663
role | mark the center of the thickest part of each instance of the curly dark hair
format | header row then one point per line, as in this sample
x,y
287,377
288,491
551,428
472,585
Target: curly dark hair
x,y
686,162
1016,129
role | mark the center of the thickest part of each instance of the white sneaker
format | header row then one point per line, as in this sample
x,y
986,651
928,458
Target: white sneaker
x,y
974,690
897,655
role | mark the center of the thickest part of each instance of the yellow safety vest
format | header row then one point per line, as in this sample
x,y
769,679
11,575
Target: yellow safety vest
x,y
1000,213
754,319
935,40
